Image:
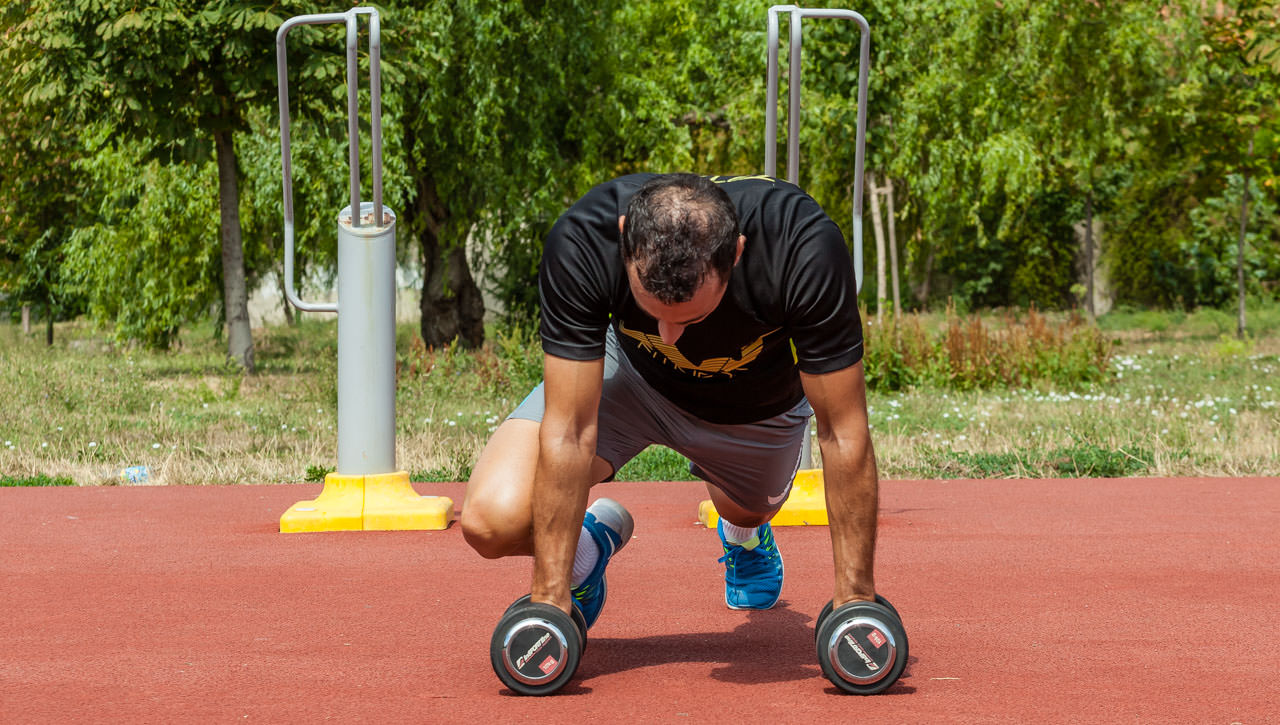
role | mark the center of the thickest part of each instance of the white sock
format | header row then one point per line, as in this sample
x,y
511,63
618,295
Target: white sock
x,y
741,535
586,558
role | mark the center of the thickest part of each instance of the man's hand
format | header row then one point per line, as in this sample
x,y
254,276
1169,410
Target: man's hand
x,y
839,403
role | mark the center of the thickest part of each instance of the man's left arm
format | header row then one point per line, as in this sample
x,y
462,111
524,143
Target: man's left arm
x,y
839,401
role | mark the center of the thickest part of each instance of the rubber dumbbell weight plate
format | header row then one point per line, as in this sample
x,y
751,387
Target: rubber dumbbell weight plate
x,y
535,648
578,619
862,647
827,610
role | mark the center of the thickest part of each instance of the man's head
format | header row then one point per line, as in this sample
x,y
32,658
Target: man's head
x,y
680,231
680,242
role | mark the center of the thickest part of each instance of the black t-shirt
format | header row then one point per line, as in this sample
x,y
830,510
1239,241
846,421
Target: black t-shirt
x,y
794,282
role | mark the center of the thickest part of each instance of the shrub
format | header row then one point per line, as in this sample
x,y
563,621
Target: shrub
x,y
969,353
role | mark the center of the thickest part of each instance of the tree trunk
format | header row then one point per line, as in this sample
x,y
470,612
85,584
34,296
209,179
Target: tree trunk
x,y
1088,252
922,295
235,295
893,247
452,307
48,325
26,319
878,226
1244,227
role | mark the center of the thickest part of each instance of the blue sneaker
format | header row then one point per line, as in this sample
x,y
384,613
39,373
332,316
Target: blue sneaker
x,y
610,526
752,577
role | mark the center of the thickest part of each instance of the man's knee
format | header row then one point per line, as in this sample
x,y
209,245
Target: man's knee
x,y
496,528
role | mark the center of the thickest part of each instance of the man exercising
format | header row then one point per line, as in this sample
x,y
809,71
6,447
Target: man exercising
x,y
705,314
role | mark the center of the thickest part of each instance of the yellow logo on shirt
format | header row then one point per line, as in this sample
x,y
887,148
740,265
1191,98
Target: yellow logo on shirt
x,y
731,179
707,368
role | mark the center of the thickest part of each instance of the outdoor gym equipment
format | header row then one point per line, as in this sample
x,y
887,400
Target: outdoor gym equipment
x,y
366,491
807,502
793,125
793,108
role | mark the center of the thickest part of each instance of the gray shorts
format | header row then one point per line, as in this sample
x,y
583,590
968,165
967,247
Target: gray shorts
x,y
753,463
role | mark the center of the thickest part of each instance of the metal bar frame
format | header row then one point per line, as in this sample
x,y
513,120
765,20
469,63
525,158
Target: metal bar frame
x,y
797,15
351,20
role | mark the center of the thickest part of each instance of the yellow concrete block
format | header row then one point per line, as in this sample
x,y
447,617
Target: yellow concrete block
x,y
806,506
391,504
339,507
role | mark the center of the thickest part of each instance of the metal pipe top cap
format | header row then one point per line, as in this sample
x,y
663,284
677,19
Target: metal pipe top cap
x,y
368,225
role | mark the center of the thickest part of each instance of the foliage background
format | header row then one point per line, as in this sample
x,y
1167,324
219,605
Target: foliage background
x,y
1004,126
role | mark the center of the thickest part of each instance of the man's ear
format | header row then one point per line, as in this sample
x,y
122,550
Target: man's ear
x,y
622,222
742,243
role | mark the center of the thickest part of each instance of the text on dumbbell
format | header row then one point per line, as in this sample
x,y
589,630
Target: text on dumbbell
x,y
871,665
542,641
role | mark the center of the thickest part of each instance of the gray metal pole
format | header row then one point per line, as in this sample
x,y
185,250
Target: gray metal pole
x,y
286,154
797,14
375,108
366,343
353,117
771,92
793,91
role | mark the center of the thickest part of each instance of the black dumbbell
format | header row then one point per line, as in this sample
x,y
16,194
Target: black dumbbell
x,y
536,648
862,646
578,619
827,610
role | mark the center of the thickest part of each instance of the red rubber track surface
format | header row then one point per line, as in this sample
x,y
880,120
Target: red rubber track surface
x,y
1130,600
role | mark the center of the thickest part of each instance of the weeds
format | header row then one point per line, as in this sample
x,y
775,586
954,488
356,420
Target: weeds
x,y
998,395
37,480
1085,460
971,354
317,473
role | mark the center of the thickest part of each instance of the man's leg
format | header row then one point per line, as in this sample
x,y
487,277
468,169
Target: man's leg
x,y
729,509
497,513
753,570
749,471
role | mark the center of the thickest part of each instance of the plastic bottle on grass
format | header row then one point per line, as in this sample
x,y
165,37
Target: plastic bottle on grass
x,y
132,475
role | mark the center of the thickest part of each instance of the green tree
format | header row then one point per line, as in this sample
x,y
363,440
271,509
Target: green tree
x,y
1104,71
1242,75
510,111
491,95
178,76
40,194
143,256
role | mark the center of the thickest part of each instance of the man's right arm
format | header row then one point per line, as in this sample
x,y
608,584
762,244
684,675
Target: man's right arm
x,y
566,449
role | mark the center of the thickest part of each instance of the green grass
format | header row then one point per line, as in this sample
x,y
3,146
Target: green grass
x,y
36,480
1175,398
656,463
1262,319
317,473
1080,461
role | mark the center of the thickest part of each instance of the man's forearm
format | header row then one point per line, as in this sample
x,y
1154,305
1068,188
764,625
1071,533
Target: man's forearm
x,y
559,500
852,491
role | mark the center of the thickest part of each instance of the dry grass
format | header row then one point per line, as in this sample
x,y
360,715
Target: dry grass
x,y
1169,404
1179,409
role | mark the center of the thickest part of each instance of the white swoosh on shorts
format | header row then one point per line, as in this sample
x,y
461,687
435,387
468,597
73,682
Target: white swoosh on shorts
x,y
775,500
